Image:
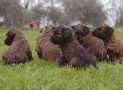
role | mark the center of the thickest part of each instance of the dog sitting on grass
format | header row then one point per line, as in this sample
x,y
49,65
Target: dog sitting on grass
x,y
18,50
113,45
73,53
45,48
94,45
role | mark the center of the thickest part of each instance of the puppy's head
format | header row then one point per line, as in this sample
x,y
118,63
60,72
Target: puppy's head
x,y
61,35
80,32
103,32
108,31
9,37
99,33
80,29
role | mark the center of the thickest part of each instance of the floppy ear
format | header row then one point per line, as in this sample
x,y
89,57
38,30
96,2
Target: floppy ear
x,y
9,38
56,40
98,33
109,31
85,30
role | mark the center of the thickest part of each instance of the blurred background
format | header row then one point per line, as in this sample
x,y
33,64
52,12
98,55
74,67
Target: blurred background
x,y
38,13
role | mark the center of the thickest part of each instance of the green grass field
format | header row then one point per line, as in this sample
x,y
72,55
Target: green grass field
x,y
43,75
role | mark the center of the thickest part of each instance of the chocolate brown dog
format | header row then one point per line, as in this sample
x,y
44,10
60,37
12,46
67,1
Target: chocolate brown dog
x,y
45,48
19,50
113,45
74,54
94,45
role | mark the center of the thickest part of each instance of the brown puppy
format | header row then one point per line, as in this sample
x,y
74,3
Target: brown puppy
x,y
94,45
74,54
19,50
45,48
113,45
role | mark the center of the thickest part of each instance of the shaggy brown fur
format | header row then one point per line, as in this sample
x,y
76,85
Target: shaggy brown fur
x,y
74,53
45,48
113,45
18,51
94,46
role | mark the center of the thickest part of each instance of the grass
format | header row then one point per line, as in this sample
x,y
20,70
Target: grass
x,y
43,75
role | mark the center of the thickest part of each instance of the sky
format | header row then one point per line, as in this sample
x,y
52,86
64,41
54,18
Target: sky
x,y
111,6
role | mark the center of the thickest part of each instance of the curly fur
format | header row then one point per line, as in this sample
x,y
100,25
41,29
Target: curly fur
x,y
19,50
74,54
45,48
113,45
94,45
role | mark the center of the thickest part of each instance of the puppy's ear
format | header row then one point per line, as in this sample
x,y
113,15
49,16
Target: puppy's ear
x,y
10,33
85,30
108,31
98,32
9,37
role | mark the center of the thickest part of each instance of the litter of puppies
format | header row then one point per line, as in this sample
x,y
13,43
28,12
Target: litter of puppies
x,y
74,45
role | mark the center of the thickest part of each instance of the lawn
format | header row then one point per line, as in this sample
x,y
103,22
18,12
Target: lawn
x,y
43,75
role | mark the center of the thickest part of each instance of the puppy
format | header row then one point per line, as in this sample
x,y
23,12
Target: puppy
x,y
113,45
19,50
45,48
94,45
73,53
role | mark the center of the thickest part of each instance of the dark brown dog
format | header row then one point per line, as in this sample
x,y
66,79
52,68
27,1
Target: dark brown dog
x,y
94,45
113,45
74,54
45,48
19,50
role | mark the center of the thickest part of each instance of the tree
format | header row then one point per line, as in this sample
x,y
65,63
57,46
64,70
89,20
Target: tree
x,y
58,16
119,21
54,14
87,11
12,12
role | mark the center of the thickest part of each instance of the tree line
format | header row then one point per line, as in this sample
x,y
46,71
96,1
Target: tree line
x,y
92,12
